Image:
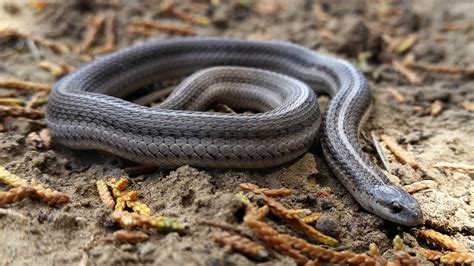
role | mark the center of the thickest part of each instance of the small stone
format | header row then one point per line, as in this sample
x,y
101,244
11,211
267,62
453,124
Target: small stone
x,y
326,204
65,220
109,223
146,249
328,226
43,217
415,137
308,199
81,221
11,8
95,253
126,247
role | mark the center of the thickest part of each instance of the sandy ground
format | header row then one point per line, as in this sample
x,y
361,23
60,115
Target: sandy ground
x,y
78,233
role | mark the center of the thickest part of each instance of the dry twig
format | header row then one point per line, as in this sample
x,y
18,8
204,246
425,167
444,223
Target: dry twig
x,y
396,95
401,256
298,249
277,192
13,195
195,19
36,100
94,23
267,7
463,167
53,45
11,102
468,105
311,218
430,254
436,108
160,223
127,198
22,189
291,216
109,44
223,226
402,259
140,31
374,252
440,69
8,94
407,73
271,237
12,111
105,195
169,28
280,211
55,70
399,152
138,207
11,179
47,195
120,204
242,245
319,13
441,239
464,258
420,185
132,237
405,44
305,253
121,185
166,7
24,85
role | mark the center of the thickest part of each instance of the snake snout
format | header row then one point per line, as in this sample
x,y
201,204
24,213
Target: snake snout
x,y
408,210
396,205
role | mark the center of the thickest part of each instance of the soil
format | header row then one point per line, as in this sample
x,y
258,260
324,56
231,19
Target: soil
x,y
80,232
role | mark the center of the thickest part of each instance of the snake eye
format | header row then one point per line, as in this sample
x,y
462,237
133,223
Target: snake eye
x,y
396,207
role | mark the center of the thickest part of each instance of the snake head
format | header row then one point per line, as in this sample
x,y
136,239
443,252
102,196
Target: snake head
x,y
394,204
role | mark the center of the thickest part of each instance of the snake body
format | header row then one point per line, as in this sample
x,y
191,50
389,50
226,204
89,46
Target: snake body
x,y
279,79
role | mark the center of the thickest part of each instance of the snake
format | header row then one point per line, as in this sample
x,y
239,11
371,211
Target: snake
x,y
277,80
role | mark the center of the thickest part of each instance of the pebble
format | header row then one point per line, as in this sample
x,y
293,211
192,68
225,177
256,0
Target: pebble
x,y
325,204
328,226
415,137
126,247
146,249
43,217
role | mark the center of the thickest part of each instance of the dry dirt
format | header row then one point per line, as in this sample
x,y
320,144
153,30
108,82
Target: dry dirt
x,y
78,233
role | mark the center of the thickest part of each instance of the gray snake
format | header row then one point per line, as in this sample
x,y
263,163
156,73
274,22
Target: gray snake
x,y
278,79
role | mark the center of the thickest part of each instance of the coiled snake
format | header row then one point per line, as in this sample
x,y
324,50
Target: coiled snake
x,y
278,79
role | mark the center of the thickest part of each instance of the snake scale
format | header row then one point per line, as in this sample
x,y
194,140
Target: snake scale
x,y
86,110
